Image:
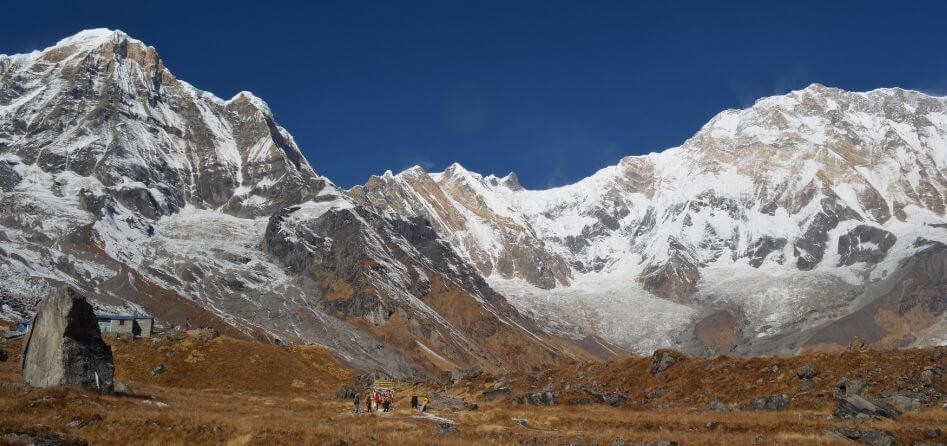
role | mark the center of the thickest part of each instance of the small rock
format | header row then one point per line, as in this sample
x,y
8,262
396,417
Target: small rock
x,y
927,377
805,385
617,441
577,441
933,433
654,393
662,359
872,438
857,345
541,399
806,372
711,425
122,387
497,394
159,369
717,406
768,403
445,428
471,406
615,399
218,429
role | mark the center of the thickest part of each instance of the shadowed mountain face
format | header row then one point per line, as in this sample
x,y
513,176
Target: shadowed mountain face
x,y
798,223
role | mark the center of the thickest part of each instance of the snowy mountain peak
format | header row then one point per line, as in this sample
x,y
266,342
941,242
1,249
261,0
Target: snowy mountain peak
x,y
456,170
818,184
260,104
230,155
796,223
92,38
153,196
510,181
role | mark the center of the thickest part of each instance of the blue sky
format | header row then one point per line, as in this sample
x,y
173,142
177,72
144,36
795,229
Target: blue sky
x,y
551,90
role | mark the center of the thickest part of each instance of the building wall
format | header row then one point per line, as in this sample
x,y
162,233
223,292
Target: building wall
x,y
120,326
145,325
136,327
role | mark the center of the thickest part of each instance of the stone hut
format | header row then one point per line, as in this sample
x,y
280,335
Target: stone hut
x,y
116,324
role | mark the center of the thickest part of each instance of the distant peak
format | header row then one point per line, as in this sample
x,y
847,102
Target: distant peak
x,y
254,100
455,167
94,38
415,169
86,40
512,181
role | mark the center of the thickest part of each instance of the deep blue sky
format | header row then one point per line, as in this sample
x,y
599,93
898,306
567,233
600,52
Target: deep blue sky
x,y
552,90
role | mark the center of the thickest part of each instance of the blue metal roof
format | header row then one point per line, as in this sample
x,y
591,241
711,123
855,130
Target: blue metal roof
x,y
121,317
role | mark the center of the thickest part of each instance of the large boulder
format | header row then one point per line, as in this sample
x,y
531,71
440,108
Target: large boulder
x,y
65,347
850,402
851,406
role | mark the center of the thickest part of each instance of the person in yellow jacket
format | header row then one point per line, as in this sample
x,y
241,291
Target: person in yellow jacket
x,y
422,406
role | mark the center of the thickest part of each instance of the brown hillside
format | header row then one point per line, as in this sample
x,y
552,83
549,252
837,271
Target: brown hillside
x,y
223,391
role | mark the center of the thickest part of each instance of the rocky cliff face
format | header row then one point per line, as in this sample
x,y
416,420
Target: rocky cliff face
x,y
152,196
797,223
102,105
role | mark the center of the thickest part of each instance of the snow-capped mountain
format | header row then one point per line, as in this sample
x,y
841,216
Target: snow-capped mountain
x,y
789,224
798,223
152,196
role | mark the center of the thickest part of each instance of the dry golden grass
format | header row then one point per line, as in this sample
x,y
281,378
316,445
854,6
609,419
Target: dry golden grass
x,y
241,393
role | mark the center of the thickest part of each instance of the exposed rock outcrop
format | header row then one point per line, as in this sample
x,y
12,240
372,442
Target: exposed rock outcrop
x,y
65,347
850,402
661,360
768,403
864,244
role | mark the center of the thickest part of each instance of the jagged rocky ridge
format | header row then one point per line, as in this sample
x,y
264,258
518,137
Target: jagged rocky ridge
x,y
149,195
773,229
798,223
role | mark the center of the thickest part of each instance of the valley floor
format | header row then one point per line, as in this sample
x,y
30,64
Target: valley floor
x,y
224,391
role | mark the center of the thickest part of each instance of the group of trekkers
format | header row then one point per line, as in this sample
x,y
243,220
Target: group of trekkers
x,y
381,398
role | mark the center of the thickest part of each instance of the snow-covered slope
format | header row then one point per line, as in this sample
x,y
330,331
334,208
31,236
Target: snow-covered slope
x,y
150,195
800,222
768,223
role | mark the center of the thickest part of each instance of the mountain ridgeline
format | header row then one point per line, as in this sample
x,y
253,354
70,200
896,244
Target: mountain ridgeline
x,y
796,224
